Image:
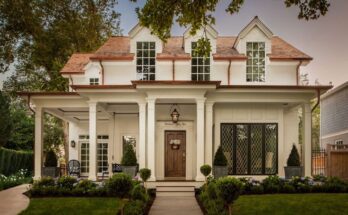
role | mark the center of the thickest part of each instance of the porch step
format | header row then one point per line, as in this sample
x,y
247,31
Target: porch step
x,y
175,190
155,184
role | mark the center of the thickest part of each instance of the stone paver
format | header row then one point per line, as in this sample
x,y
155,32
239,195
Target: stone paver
x,y
175,205
12,201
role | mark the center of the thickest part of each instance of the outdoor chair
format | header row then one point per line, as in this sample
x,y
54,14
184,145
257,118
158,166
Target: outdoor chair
x,y
74,168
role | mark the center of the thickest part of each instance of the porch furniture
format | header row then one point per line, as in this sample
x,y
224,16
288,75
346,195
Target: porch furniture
x,y
74,168
116,168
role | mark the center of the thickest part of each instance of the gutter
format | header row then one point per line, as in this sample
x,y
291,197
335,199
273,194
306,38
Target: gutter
x,y
298,72
318,101
32,110
102,71
229,72
173,69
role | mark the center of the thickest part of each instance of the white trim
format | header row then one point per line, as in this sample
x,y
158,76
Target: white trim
x,y
335,134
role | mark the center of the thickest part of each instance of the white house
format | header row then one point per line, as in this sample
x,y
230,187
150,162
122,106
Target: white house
x,y
245,97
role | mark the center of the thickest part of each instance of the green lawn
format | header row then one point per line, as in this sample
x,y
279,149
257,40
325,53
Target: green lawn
x,y
292,204
72,205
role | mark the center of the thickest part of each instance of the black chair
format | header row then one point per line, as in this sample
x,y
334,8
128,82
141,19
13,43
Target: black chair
x,y
74,168
116,168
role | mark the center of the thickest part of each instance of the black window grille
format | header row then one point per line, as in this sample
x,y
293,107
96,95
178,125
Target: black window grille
x,y
250,149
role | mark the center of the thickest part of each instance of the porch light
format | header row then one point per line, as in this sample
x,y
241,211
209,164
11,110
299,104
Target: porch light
x,y
73,143
174,114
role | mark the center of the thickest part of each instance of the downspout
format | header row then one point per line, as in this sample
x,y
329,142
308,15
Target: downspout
x,y
102,71
298,72
71,80
229,72
32,110
318,100
173,69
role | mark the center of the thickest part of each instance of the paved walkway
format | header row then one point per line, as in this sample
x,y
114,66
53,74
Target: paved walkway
x,y
12,201
175,205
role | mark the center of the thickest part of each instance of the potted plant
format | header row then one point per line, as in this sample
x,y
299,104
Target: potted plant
x,y
145,174
129,161
220,164
293,167
50,166
205,170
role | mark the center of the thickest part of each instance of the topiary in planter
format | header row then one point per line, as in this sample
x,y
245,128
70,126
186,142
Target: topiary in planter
x,y
129,161
293,167
220,164
50,168
205,170
145,174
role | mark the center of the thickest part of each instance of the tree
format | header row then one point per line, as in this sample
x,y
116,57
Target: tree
x,y
38,37
158,15
53,133
5,126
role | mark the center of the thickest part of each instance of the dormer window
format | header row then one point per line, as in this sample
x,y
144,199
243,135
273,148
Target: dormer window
x,y
146,60
94,81
200,65
256,62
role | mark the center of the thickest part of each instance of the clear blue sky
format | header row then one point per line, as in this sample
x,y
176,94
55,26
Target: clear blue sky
x,y
324,39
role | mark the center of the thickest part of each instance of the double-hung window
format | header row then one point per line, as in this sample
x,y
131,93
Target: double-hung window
x,y
256,62
94,81
146,60
200,65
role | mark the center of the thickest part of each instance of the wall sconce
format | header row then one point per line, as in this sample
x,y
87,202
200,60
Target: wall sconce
x,y
73,143
174,114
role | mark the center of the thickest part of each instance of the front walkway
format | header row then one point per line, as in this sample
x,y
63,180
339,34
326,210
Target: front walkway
x,y
12,200
177,205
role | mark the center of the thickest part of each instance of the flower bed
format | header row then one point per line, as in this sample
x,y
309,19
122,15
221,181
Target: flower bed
x,y
139,200
212,196
20,177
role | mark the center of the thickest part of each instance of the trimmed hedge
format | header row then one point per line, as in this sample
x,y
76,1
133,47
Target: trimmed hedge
x,y
12,161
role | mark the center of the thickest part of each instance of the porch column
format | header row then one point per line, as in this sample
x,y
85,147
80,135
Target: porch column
x,y
209,133
151,102
92,141
38,143
200,137
307,139
142,135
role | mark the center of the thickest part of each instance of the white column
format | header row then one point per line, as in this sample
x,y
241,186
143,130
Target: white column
x,y
209,133
92,141
142,135
151,102
38,142
307,139
200,137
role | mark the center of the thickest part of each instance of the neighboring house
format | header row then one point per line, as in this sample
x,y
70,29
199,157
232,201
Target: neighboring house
x,y
245,96
334,116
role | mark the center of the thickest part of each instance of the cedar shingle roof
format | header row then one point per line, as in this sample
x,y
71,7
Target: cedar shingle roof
x,y
118,48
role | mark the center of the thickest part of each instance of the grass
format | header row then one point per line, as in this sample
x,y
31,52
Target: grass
x,y
72,205
308,204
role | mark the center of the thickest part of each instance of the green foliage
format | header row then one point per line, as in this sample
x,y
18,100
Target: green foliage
x,y
129,157
205,169
229,189
134,207
5,126
139,193
18,178
159,15
335,185
86,185
38,37
12,161
272,184
53,133
294,157
202,47
44,182
119,185
51,159
213,204
220,158
66,182
145,174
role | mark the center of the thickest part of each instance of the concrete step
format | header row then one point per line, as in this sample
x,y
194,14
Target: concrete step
x,y
175,188
154,184
174,193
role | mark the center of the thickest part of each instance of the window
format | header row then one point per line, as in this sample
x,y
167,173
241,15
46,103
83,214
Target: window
x,y
200,66
339,142
146,60
102,153
250,149
84,155
256,62
94,81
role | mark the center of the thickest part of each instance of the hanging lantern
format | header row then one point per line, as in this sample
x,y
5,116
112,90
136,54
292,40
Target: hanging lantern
x,y
175,115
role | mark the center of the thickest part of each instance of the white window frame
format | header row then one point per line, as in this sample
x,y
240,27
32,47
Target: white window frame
x,y
84,140
146,60
93,81
200,66
103,139
256,62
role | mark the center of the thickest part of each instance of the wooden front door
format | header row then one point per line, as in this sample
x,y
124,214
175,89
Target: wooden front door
x,y
175,153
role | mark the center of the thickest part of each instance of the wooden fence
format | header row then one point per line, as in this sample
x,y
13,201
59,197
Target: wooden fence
x,y
337,160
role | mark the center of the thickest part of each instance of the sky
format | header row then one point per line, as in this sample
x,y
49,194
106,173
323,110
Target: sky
x,y
324,39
